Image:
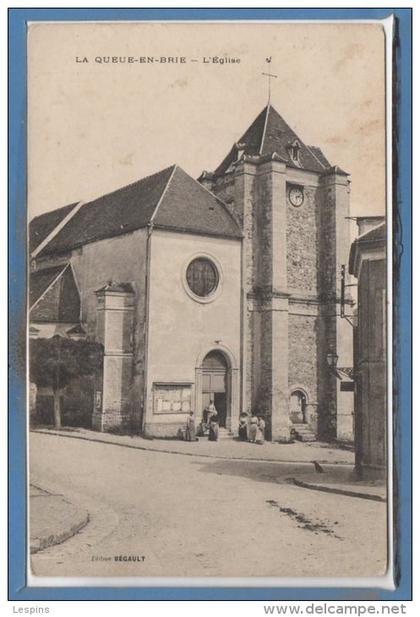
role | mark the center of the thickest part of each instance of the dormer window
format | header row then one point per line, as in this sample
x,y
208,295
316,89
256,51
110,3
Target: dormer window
x,y
240,150
294,152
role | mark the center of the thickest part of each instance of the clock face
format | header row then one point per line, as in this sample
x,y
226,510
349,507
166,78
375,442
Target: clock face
x,y
296,196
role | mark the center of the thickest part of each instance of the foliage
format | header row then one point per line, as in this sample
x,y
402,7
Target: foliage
x,y
56,361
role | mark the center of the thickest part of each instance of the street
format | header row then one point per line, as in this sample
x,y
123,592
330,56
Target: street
x,y
160,514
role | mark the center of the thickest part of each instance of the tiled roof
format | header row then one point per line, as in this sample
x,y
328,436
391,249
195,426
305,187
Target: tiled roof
x,y
40,280
54,296
188,206
116,213
377,234
269,133
320,156
41,226
374,238
169,199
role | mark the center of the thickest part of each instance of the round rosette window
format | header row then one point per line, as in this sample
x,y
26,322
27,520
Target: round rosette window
x,y
202,277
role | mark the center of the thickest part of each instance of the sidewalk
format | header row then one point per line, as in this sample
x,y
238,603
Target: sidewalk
x,y
341,481
53,519
231,449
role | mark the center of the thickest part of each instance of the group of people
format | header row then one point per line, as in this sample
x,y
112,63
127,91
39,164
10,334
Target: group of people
x,y
209,425
251,429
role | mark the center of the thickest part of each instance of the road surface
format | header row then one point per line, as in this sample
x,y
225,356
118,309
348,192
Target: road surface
x,y
158,514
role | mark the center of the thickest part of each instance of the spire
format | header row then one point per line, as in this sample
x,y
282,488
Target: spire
x,y
270,134
267,112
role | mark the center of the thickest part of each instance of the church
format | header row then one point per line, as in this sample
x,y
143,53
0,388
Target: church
x,y
225,289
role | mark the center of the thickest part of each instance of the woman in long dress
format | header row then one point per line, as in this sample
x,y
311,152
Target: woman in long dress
x,y
190,428
243,428
260,438
213,426
253,427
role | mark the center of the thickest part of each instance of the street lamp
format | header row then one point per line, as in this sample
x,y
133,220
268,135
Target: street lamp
x,y
332,359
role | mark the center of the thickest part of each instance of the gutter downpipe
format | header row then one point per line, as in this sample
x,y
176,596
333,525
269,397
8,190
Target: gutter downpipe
x,y
146,327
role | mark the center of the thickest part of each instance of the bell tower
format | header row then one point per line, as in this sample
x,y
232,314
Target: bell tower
x,y
292,206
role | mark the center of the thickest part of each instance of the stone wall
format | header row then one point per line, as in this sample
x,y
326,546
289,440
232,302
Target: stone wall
x,y
334,195
327,260
302,244
296,253
239,191
303,355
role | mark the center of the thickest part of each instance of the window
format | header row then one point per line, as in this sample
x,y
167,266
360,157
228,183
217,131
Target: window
x,y
294,152
298,403
202,277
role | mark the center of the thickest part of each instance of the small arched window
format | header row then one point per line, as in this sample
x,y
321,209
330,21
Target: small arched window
x,y
298,404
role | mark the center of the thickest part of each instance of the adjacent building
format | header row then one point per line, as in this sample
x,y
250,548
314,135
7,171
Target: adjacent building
x,y
368,264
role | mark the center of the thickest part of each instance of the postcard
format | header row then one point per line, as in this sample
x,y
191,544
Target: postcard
x,y
209,303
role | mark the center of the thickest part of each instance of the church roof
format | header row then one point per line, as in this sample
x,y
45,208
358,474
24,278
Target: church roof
x,y
41,226
269,133
41,280
170,199
54,295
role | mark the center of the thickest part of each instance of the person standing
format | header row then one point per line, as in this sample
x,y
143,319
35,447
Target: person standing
x,y
243,427
190,428
213,426
260,437
253,428
209,411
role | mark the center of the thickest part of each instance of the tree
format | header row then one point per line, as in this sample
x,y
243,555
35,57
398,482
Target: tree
x,y
56,361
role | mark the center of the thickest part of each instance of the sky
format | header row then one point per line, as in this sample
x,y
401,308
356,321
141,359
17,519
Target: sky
x,y
96,126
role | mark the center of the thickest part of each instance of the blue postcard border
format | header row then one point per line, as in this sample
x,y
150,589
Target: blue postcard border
x,y
17,546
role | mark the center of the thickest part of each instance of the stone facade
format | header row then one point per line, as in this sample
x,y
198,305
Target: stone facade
x,y
292,258
303,244
303,360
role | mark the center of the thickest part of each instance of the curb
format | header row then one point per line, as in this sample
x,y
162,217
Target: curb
x,y
337,491
196,454
40,543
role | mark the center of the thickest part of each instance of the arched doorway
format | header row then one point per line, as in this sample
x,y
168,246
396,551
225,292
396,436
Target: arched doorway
x,y
298,405
216,385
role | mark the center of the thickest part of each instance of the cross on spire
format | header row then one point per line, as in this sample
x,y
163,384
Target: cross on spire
x,y
270,76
